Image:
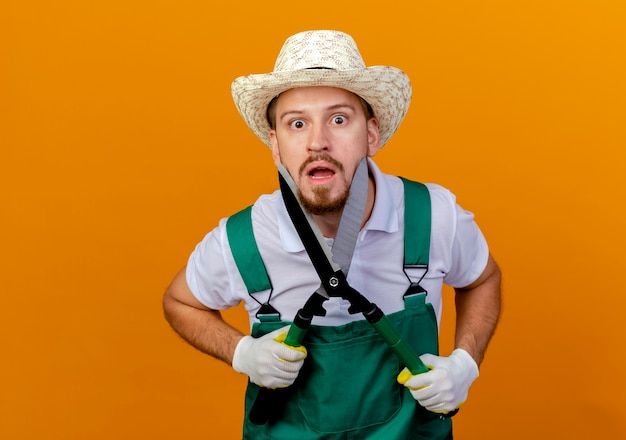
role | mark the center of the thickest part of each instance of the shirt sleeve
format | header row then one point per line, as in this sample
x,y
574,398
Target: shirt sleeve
x,y
470,251
209,271
463,248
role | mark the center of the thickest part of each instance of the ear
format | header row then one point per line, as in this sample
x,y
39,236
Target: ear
x,y
275,150
373,137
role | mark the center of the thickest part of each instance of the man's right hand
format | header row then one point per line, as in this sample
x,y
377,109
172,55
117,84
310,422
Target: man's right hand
x,y
267,361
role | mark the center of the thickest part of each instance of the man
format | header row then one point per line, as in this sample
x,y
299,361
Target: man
x,y
322,111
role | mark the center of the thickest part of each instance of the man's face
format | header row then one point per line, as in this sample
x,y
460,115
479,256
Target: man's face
x,y
321,135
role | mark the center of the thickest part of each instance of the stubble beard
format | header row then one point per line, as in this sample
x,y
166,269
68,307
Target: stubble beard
x,y
321,202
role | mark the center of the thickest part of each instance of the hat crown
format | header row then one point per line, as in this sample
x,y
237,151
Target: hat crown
x,y
319,49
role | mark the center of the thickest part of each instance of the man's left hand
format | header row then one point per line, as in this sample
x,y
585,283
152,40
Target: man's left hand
x,y
445,387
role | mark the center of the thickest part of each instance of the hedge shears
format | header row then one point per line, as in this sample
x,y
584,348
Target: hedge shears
x,y
332,267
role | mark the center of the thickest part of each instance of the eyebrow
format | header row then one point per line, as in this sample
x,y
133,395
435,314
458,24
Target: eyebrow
x,y
331,108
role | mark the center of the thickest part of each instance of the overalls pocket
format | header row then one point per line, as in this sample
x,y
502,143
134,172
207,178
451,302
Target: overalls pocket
x,y
348,383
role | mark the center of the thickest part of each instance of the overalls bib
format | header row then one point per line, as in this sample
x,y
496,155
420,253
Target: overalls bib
x,y
347,388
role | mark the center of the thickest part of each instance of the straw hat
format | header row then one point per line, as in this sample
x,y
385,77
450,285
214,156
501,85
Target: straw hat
x,y
324,58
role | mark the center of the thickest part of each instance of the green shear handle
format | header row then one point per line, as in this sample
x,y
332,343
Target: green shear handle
x,y
401,348
269,401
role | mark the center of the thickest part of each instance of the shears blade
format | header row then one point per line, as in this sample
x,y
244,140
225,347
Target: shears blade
x,y
351,218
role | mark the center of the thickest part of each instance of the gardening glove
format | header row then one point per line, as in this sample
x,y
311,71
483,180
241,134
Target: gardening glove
x,y
445,387
267,360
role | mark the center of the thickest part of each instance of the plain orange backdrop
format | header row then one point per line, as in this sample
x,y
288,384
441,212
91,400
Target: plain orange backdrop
x,y
120,148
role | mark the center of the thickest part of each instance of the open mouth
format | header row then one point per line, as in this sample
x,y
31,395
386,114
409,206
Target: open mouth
x,y
320,173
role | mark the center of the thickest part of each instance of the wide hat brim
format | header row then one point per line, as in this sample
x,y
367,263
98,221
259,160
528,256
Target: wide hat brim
x,y
386,89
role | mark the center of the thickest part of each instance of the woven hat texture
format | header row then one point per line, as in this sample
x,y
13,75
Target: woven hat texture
x,y
324,58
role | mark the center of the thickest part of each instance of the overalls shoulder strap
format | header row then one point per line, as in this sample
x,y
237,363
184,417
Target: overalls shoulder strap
x,y
417,229
417,222
246,252
249,262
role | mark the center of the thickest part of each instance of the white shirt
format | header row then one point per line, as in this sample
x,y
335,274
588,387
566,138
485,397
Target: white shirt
x,y
458,255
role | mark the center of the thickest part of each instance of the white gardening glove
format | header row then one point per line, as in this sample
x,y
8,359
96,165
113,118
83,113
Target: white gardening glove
x,y
267,361
445,387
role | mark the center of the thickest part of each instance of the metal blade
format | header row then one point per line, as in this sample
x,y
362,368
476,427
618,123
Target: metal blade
x,y
309,217
351,218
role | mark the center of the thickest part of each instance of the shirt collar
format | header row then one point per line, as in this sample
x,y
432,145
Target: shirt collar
x,y
384,215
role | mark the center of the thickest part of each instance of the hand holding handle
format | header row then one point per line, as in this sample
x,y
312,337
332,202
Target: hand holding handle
x,y
271,400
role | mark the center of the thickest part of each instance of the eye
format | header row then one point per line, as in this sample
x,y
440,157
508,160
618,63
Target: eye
x,y
339,119
296,123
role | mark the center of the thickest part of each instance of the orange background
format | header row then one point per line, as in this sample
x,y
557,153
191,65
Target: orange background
x,y
120,148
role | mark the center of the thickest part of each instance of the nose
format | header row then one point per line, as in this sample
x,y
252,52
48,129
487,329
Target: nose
x,y
319,139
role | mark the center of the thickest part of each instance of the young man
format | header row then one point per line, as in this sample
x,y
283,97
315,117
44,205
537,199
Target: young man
x,y
321,111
